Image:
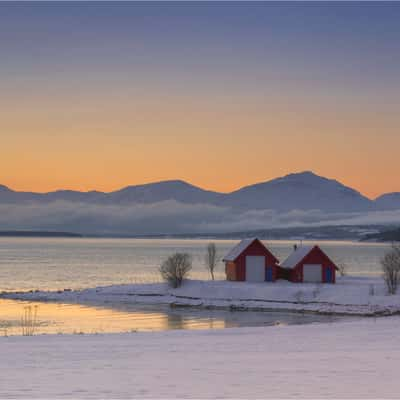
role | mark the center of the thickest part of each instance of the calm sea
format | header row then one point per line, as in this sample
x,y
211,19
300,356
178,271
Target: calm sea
x,y
42,263
78,263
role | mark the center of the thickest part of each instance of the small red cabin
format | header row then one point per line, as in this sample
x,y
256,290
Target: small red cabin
x,y
250,261
308,264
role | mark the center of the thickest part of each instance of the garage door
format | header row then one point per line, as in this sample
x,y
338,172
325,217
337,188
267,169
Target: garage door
x,y
312,273
255,268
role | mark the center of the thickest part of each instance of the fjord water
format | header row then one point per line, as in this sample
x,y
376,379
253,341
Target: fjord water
x,y
38,263
59,263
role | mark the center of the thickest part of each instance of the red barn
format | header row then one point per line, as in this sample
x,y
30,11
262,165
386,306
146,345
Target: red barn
x,y
250,261
309,264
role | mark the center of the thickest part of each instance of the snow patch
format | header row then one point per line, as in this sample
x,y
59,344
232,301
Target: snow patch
x,y
350,295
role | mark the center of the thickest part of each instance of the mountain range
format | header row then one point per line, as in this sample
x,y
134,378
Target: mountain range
x,y
177,207
297,191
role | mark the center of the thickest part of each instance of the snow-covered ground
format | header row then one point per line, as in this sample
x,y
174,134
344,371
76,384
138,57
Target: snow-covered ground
x,y
357,359
350,295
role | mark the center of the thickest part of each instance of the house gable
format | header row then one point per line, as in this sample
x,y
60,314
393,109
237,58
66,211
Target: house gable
x,y
314,256
249,245
317,256
256,248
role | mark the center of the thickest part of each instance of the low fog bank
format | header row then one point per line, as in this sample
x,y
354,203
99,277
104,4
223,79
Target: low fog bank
x,y
171,217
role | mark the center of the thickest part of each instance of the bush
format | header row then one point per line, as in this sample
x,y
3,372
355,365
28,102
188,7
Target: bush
x,y
391,269
175,268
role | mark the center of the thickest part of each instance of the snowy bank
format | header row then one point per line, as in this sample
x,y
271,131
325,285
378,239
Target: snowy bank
x,y
350,295
356,359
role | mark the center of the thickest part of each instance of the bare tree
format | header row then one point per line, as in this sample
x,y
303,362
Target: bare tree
x,y
317,291
342,267
371,290
175,268
211,258
391,268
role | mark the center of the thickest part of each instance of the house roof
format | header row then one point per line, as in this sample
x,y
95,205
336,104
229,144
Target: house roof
x,y
239,249
296,256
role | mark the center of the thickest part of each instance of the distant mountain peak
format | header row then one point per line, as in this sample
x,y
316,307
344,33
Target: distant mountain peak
x,y
166,183
297,178
304,176
302,190
313,180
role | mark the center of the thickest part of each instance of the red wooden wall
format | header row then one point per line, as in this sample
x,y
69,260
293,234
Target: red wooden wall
x,y
315,256
255,249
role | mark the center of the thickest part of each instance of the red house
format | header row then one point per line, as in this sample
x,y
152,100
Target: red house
x,y
308,264
250,261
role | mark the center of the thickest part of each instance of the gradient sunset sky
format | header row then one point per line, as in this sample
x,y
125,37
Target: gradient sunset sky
x,y
104,95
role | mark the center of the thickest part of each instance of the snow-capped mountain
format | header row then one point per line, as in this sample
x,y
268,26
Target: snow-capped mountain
x,y
177,190
301,191
300,199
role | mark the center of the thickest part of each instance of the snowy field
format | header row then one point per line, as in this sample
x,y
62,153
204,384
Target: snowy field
x,y
340,360
357,359
350,295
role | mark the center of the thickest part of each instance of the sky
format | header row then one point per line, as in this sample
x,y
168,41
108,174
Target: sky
x,y
105,95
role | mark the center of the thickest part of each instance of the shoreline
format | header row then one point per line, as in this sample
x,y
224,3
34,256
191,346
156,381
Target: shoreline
x,y
350,296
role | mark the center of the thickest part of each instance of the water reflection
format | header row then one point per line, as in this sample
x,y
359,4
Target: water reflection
x,y
53,318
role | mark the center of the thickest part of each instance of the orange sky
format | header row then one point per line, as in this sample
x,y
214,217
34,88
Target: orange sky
x,y
219,96
216,144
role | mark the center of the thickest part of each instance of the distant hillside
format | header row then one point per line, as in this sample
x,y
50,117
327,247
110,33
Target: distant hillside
x,y
177,207
384,236
328,232
388,201
299,191
302,191
177,190
9,196
37,234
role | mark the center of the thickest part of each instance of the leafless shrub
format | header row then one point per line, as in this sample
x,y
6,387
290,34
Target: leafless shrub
x,y
28,320
175,268
211,258
316,292
299,296
371,290
342,268
391,268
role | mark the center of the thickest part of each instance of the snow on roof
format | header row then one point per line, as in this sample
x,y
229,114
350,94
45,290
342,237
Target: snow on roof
x,y
238,249
296,256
